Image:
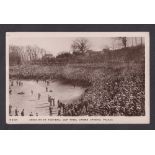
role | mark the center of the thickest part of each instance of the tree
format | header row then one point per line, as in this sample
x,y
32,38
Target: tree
x,y
123,41
15,55
106,48
141,41
135,41
80,46
64,55
132,41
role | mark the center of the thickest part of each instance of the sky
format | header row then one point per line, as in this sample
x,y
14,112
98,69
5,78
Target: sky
x,y
56,45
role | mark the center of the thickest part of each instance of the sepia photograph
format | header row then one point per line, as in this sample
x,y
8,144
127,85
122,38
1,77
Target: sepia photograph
x,y
77,78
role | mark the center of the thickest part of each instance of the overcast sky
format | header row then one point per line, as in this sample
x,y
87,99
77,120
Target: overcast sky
x,y
57,44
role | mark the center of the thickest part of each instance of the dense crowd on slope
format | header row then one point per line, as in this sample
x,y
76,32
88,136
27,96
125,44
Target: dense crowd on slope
x,y
111,90
111,95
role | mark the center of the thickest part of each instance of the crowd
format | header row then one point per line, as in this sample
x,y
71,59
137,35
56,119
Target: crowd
x,y
111,90
114,94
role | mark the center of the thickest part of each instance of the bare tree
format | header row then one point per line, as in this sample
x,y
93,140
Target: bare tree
x,y
80,45
141,40
15,54
135,41
132,41
113,43
124,41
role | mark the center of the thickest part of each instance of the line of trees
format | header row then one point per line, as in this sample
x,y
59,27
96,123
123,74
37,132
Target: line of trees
x,y
20,54
123,42
80,46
